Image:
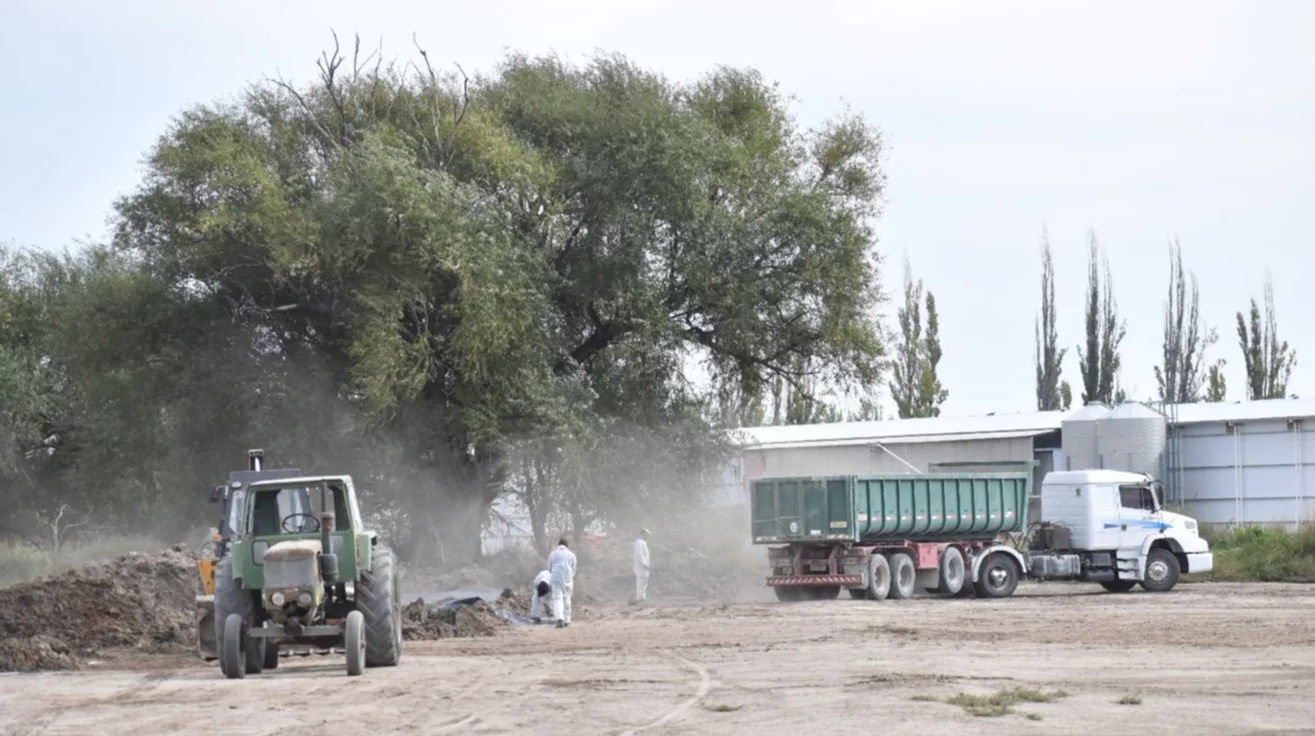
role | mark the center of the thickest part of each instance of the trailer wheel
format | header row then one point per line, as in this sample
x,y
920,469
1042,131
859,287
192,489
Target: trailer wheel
x,y
826,593
903,576
878,578
858,593
998,577
952,572
1162,571
1119,586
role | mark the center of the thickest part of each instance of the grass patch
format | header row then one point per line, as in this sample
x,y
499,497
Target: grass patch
x,y
721,707
1003,701
1129,700
925,699
1262,554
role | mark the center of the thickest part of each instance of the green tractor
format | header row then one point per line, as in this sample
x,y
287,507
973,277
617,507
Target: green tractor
x,y
303,573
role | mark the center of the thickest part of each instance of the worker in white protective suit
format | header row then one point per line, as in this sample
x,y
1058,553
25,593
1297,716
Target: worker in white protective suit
x,y
561,563
539,601
641,566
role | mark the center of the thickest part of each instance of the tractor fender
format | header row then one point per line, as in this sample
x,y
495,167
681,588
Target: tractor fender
x,y
980,558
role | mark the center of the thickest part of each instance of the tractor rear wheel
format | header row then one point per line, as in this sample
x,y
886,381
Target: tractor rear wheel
x,y
233,653
354,641
378,598
230,598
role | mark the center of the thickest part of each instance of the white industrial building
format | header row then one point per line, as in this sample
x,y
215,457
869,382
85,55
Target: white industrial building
x,y
1227,463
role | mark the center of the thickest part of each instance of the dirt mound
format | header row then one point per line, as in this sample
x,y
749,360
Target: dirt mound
x,y
137,600
426,622
36,653
514,602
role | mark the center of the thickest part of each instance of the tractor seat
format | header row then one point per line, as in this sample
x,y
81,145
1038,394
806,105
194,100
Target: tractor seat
x,y
293,549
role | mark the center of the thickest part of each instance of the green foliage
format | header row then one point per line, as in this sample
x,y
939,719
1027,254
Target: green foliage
x,y
1216,387
914,384
1183,372
420,279
1050,388
1268,361
1265,554
1105,330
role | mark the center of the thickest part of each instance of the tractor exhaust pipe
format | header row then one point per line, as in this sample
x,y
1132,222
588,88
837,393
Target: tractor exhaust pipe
x,y
328,560
256,460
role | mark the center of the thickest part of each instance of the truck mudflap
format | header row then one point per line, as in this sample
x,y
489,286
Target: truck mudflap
x,y
816,580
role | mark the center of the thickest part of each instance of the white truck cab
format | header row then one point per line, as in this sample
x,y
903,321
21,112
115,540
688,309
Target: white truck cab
x,y
1107,526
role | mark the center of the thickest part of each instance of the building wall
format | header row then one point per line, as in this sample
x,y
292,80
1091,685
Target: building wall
x,y
1263,474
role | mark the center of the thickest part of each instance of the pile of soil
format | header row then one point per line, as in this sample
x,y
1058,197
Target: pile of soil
x,y
426,622
36,653
514,602
138,600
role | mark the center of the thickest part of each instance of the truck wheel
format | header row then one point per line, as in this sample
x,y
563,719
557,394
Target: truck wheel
x,y
1162,571
230,598
903,576
233,653
998,577
271,660
826,593
952,572
858,593
353,637
1119,586
785,593
378,598
878,577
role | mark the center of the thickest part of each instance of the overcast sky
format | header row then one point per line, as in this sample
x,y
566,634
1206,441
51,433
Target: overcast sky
x,y
1145,121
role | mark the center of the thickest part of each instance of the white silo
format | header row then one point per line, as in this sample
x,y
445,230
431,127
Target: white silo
x,y
1081,437
1132,437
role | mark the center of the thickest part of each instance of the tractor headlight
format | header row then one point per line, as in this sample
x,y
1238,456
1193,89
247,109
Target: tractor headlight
x,y
305,599
277,599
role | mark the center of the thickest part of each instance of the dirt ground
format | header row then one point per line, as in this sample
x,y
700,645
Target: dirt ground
x,y
1207,658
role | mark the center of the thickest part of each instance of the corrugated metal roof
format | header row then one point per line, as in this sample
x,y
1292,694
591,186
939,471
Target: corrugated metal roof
x,y
1241,411
996,426
934,429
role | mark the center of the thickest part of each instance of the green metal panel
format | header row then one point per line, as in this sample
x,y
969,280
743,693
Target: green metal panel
x,y
802,509
253,574
874,508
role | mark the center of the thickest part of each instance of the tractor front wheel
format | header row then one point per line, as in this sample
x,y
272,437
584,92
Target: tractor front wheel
x,y
233,652
354,643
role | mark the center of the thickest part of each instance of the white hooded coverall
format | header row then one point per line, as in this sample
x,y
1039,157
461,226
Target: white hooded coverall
x,y
641,569
537,602
561,563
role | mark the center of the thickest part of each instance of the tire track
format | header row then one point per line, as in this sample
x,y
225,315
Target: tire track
x,y
705,686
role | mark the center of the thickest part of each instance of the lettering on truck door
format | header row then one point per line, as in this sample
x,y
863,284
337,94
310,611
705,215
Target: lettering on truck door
x,y
1138,516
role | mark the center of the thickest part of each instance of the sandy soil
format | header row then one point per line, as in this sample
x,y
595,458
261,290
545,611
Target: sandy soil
x,y
1218,659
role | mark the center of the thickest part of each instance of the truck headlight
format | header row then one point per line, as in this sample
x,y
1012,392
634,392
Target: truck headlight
x,y
277,599
305,599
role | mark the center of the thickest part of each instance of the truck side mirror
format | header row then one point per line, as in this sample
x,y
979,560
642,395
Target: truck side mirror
x,y
217,493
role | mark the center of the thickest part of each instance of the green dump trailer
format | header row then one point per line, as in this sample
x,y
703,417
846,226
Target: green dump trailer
x,y
879,536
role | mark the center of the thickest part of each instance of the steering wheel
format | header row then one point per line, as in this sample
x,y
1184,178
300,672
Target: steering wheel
x,y
299,528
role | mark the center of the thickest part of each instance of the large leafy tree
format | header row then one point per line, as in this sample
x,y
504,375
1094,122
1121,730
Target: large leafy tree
x,y
1052,393
474,264
1105,329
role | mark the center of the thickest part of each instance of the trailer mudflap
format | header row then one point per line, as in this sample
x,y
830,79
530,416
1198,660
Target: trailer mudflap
x,y
816,580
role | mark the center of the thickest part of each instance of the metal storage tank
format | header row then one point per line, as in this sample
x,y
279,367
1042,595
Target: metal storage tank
x,y
1081,433
1132,438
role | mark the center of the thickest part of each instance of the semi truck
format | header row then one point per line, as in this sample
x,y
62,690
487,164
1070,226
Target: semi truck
x,y
968,533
